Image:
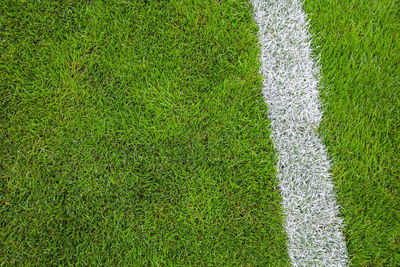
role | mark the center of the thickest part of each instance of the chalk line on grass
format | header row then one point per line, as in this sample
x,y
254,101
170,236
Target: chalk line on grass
x,y
290,88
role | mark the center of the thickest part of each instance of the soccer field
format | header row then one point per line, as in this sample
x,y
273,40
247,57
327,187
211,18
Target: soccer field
x,y
137,132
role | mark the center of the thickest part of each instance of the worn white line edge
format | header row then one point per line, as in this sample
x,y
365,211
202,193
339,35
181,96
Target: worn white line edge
x,y
290,88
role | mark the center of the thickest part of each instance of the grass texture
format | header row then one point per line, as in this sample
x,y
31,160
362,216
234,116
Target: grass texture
x,y
135,132
359,45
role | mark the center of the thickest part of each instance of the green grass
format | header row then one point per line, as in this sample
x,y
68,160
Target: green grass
x,y
359,46
135,132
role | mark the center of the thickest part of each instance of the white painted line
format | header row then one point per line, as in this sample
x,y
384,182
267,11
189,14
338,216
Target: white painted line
x,y
291,79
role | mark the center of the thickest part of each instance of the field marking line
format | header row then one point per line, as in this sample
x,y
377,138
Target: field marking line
x,y
290,88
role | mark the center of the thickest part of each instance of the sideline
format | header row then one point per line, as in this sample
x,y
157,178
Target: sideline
x,y
290,88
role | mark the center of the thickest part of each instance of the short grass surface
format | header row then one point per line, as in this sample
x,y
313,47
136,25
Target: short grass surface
x,y
359,46
135,132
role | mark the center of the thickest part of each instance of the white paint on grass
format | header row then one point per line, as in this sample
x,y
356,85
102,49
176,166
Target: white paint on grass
x,y
290,88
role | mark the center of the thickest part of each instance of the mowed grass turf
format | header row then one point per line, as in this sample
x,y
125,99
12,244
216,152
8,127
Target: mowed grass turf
x,y
359,46
135,132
